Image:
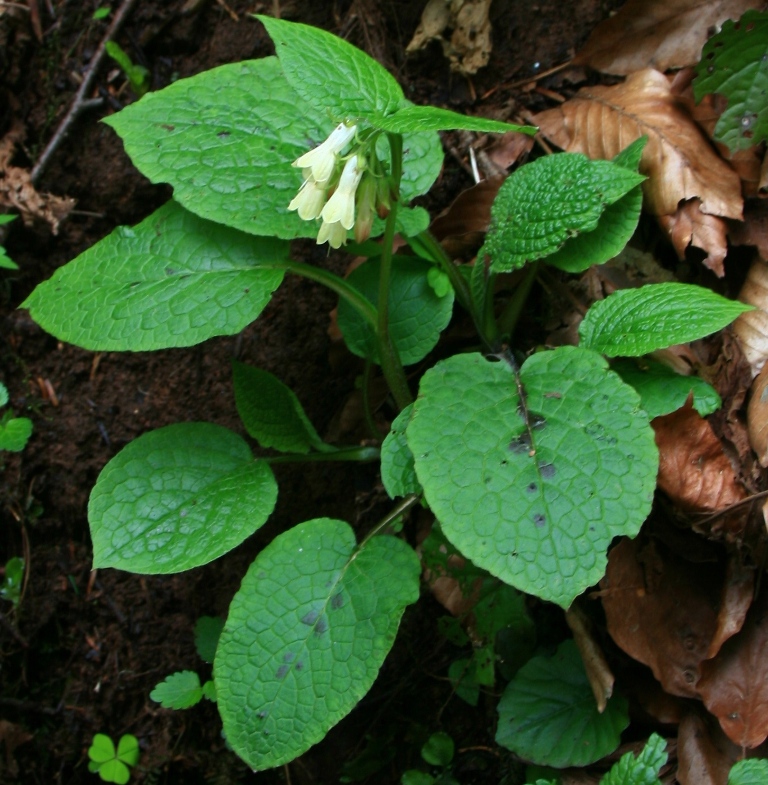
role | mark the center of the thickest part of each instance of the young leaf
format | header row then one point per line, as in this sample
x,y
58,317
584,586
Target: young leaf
x,y
176,498
438,749
271,412
173,280
6,262
734,63
641,770
225,140
662,391
102,748
462,676
749,772
632,322
306,635
209,691
128,749
417,315
546,202
180,690
207,632
114,771
397,472
534,501
14,432
548,714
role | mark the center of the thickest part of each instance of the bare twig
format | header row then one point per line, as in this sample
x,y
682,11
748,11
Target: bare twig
x,y
80,102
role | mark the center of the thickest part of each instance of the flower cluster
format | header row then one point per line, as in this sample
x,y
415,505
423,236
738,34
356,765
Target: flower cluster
x,y
343,191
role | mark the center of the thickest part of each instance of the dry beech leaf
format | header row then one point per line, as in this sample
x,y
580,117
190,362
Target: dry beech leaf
x,y
694,471
509,148
678,159
469,212
736,600
599,674
757,417
690,226
704,753
734,685
751,327
657,34
661,610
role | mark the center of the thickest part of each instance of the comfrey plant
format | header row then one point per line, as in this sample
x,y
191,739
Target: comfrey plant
x,y
531,469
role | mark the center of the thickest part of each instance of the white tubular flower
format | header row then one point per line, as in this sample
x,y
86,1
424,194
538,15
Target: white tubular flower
x,y
334,233
322,159
309,200
341,206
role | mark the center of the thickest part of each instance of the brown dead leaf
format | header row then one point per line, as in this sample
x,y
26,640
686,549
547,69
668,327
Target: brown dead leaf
x,y
469,212
678,159
754,229
734,685
689,226
509,148
704,753
757,417
763,184
751,327
693,469
599,674
735,602
658,34
661,610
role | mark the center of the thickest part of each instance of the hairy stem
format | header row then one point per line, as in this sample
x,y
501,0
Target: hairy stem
x,y
359,454
390,517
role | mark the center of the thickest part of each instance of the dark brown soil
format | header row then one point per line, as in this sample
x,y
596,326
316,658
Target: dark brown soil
x,y
84,649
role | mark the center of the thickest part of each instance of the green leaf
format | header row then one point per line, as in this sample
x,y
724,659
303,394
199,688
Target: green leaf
x,y
101,13
14,432
207,632
632,322
209,691
5,218
137,75
10,587
128,749
462,676
438,749
6,263
663,391
536,506
306,635
431,118
4,397
749,772
102,748
417,315
114,771
549,201
173,280
416,777
179,691
176,498
734,63
271,412
548,715
225,140
397,471
641,770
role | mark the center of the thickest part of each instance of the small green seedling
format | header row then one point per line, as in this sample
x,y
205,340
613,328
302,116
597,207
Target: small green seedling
x,y
138,76
14,431
10,588
101,13
113,765
437,752
5,261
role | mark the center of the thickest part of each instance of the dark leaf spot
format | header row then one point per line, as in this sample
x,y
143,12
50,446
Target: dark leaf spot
x,y
223,134
167,127
337,601
262,715
299,665
539,519
520,445
281,671
532,488
537,423
321,626
547,470
309,618
288,656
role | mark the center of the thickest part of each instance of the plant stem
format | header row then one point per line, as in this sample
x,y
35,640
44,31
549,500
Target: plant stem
x,y
360,454
509,318
391,516
390,360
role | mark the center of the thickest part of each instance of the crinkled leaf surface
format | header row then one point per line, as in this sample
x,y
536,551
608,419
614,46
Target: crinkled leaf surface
x,y
548,715
632,322
734,63
536,506
180,690
546,202
14,432
663,391
176,498
749,772
642,769
397,471
417,315
173,280
207,632
306,635
225,140
271,412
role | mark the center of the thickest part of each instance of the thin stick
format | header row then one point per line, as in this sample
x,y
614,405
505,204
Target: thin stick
x,y
79,102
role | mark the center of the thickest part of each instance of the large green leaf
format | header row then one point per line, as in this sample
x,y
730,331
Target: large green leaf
x,y
749,772
306,635
642,769
176,498
271,412
398,475
417,315
548,714
173,280
632,322
549,201
734,63
225,140
534,501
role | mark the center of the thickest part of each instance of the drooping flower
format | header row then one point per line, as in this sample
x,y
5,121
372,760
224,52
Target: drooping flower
x,y
341,206
366,206
334,233
309,200
322,160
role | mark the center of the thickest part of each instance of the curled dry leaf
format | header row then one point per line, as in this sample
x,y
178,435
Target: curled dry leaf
x,y
657,34
678,159
661,610
694,471
689,226
509,148
600,676
734,685
704,753
751,327
757,417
